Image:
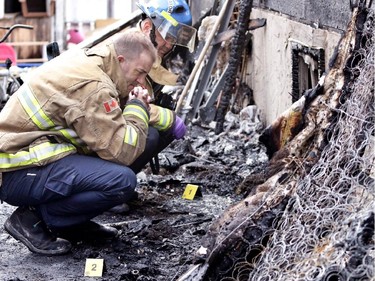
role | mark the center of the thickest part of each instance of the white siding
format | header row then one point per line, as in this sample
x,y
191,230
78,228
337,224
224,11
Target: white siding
x,y
270,66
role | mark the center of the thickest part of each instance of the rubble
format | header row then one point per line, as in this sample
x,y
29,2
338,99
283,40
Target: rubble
x,y
161,232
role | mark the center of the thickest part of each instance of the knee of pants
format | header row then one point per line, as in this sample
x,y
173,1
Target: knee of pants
x,y
121,183
127,191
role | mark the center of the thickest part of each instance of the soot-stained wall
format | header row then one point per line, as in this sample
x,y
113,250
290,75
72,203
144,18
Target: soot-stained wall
x,y
329,13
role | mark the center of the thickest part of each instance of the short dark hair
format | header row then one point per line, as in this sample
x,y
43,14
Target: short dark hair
x,y
132,42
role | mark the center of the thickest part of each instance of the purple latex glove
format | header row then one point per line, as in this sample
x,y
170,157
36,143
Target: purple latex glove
x,y
179,128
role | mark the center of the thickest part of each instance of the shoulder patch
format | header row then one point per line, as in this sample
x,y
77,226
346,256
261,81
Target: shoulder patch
x,y
110,105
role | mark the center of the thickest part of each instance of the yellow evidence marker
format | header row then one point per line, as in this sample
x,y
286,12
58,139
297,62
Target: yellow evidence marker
x,y
94,267
191,191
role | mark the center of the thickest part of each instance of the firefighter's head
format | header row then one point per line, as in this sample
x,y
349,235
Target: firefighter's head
x,y
168,23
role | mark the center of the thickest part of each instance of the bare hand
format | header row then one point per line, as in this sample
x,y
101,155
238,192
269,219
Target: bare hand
x,y
140,94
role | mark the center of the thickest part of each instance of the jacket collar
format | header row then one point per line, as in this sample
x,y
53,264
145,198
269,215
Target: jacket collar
x,y
111,66
115,72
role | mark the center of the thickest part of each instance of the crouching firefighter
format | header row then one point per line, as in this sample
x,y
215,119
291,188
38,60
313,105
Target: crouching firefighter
x,y
168,24
68,139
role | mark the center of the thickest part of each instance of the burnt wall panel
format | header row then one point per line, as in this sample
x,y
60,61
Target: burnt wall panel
x,y
200,8
329,14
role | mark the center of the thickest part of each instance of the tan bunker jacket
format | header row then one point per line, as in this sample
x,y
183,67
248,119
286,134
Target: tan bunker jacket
x,y
71,104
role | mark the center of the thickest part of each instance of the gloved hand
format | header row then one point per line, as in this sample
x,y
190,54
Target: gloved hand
x,y
179,128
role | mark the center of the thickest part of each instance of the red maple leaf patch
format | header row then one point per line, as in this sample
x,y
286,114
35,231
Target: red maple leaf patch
x,y
110,105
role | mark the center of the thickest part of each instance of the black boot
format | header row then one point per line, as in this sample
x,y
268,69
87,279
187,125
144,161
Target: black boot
x,y
24,225
124,207
119,209
88,231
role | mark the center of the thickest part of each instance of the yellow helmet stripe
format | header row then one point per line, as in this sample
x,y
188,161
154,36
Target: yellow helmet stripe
x,y
169,18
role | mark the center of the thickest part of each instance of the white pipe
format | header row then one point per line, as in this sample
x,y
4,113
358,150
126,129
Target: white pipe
x,y
201,56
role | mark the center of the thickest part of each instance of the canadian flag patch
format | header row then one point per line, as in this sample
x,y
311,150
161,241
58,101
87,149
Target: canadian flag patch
x,y
110,105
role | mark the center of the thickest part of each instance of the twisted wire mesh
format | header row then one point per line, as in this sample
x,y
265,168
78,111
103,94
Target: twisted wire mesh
x,y
327,230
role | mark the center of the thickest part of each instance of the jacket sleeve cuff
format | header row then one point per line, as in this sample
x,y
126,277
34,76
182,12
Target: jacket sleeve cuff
x,y
136,108
138,103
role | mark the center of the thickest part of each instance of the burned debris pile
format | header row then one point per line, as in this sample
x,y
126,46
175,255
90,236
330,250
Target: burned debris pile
x,y
313,217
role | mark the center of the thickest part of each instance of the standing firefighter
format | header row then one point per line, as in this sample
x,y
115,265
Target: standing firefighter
x,y
68,137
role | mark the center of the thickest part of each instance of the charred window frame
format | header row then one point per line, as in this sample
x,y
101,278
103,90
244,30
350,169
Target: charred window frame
x,y
307,67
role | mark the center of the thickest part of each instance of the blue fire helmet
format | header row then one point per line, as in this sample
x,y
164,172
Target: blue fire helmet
x,y
172,18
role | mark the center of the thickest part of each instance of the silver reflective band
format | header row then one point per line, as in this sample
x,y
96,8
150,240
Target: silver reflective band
x,y
34,156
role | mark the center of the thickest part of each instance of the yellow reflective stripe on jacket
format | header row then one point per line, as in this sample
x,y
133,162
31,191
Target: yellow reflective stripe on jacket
x,y
131,136
33,108
133,109
31,105
70,135
34,155
165,119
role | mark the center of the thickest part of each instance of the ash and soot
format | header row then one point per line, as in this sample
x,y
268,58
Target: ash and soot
x,y
303,212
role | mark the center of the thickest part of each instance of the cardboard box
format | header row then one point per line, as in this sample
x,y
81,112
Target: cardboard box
x,y
37,8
